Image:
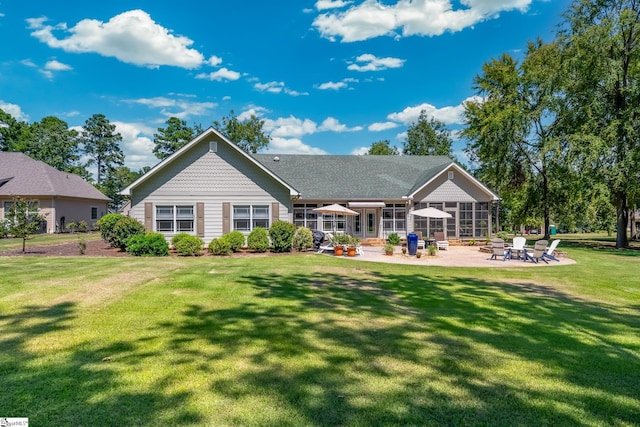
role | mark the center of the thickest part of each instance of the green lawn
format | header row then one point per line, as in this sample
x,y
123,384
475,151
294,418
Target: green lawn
x,y
47,239
313,340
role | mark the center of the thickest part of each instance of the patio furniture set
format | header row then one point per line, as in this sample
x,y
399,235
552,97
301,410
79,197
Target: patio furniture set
x,y
540,251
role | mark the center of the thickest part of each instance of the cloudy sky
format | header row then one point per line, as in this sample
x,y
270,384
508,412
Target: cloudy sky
x,y
327,76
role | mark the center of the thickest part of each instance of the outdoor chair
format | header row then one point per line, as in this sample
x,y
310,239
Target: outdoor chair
x,y
441,243
548,253
518,246
421,244
539,249
326,244
498,249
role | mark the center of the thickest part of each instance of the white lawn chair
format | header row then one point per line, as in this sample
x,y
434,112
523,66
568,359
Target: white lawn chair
x,y
518,246
549,251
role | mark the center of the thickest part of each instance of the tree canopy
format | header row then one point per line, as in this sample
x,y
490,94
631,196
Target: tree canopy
x,y
176,135
382,148
102,145
248,134
428,137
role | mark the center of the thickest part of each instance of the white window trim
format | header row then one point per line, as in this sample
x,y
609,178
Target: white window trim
x,y
175,219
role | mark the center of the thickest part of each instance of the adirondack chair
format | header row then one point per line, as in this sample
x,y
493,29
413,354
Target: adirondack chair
x,y
549,251
539,249
498,249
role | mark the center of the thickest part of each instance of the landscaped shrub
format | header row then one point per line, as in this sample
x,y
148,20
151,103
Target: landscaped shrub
x,y
258,240
393,239
148,244
189,245
235,239
281,233
4,228
303,239
176,238
219,246
106,224
83,227
125,228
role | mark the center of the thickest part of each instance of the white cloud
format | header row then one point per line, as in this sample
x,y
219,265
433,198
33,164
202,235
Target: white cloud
x,y
447,115
254,111
131,37
331,4
360,151
28,63
377,127
272,87
280,145
137,144
333,125
179,108
372,18
219,75
373,63
214,61
277,87
15,111
332,86
54,65
286,127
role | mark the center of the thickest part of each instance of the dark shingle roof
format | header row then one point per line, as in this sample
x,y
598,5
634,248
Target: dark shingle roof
x,y
354,177
23,176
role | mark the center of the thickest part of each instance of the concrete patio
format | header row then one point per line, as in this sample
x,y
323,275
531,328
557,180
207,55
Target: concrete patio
x,y
455,256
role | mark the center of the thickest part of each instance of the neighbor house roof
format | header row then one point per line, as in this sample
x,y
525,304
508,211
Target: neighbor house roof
x,y
20,175
352,177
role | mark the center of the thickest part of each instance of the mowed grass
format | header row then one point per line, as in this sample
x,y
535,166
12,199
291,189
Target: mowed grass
x,y
312,340
47,240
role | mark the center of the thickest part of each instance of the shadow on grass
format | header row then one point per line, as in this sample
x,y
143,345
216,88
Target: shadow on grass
x,y
76,388
423,350
357,347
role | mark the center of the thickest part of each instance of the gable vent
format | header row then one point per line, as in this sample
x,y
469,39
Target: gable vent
x,y
450,175
213,146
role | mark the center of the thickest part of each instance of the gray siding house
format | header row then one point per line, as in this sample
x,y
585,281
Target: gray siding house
x,y
210,187
61,197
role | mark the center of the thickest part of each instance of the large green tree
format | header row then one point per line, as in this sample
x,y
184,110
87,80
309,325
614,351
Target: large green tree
x,y
102,146
382,148
512,133
428,137
601,47
248,134
170,139
14,134
52,142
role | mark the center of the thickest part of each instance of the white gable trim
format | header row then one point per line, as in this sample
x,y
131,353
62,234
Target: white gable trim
x,y
210,131
463,172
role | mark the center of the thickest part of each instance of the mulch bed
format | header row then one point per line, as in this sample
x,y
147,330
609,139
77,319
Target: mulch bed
x,y
94,248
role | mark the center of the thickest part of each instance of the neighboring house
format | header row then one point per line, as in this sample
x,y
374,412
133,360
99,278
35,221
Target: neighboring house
x,y
210,187
61,197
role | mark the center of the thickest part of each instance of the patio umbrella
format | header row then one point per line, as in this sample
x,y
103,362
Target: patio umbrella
x,y
431,213
335,209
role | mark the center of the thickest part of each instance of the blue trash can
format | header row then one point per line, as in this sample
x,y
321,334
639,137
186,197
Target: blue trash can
x,y
412,243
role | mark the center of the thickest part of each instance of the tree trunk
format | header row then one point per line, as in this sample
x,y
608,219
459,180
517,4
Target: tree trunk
x,y
24,244
622,220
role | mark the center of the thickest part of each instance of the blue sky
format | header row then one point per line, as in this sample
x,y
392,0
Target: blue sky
x,y
328,76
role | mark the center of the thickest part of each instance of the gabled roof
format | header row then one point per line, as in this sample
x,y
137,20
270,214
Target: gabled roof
x,y
204,135
350,177
20,175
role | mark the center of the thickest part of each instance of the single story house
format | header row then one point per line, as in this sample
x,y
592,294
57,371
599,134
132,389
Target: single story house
x,y
61,197
210,187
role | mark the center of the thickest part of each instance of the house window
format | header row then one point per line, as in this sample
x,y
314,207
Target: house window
x,y
304,216
394,218
172,218
248,217
436,224
94,213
